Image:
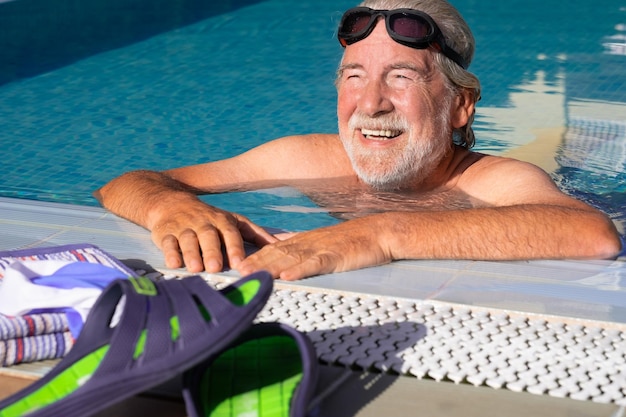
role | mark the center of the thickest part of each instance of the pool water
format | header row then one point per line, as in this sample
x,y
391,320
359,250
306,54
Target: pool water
x,y
89,90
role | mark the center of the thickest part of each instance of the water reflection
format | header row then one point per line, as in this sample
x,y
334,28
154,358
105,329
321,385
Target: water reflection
x,y
347,200
333,199
616,43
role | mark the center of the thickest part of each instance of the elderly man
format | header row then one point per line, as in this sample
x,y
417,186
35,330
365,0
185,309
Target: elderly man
x,y
405,108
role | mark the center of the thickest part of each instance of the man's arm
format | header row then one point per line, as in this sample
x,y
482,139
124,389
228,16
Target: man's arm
x,y
192,233
188,231
527,217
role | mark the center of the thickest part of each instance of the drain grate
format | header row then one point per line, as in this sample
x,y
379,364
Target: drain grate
x,y
555,356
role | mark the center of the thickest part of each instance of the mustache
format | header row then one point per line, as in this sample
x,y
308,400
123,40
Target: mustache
x,y
390,121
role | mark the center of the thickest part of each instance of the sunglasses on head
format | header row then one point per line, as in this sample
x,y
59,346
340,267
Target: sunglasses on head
x,y
406,26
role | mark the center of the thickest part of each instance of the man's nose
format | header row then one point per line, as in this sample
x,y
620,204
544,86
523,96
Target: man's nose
x,y
374,100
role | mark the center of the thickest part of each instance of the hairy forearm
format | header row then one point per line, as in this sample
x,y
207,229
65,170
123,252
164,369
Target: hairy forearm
x,y
502,233
139,195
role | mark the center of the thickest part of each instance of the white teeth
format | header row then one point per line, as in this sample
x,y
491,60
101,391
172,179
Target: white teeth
x,y
380,133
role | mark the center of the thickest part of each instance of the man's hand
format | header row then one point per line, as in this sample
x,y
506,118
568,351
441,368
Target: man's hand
x,y
193,234
188,231
350,245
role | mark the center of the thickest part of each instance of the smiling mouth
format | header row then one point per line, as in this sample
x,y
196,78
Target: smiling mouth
x,y
372,134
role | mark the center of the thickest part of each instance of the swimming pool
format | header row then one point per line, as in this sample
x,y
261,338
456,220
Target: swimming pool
x,y
82,105
88,91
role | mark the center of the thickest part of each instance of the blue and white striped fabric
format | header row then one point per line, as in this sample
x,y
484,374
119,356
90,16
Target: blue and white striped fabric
x,y
40,336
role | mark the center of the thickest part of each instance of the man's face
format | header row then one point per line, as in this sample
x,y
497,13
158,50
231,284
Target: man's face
x,y
393,111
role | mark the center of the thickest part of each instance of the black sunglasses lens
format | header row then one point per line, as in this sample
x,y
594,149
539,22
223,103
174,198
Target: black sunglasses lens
x,y
410,26
355,23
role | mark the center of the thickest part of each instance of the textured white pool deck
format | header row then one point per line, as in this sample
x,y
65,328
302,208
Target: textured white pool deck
x,y
549,297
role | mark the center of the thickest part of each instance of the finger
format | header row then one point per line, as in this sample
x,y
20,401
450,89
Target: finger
x,y
211,247
280,260
171,252
295,273
190,249
285,268
267,258
246,231
286,235
254,233
233,243
308,268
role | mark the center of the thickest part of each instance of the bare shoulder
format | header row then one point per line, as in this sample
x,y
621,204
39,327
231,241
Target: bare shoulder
x,y
505,181
301,157
485,166
317,144
282,159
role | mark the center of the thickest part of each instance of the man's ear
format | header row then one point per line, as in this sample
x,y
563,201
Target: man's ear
x,y
463,108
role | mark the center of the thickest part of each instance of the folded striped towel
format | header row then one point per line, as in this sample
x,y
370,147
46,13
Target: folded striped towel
x,y
42,335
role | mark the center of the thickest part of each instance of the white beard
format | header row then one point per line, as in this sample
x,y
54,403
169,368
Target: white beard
x,y
395,168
